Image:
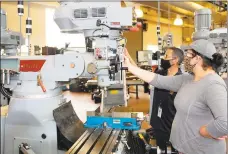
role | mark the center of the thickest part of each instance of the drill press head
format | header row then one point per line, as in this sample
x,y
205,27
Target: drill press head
x,y
102,29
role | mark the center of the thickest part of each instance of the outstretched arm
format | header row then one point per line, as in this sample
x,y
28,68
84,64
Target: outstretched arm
x,y
172,83
140,73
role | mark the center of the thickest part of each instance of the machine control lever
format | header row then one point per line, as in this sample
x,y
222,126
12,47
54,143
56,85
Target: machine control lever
x,y
148,146
3,76
124,68
40,83
24,148
8,77
125,142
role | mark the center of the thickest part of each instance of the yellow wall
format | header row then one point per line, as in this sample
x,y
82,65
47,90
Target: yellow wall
x,y
37,13
187,35
150,36
134,43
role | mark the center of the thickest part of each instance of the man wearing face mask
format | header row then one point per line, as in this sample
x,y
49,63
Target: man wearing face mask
x,y
163,110
200,123
163,99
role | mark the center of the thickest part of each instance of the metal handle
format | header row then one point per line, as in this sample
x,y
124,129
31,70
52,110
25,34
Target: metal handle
x,y
3,76
124,68
40,83
7,77
148,146
125,142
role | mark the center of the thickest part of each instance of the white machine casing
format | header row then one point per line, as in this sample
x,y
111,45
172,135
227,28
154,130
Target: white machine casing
x,y
30,108
74,17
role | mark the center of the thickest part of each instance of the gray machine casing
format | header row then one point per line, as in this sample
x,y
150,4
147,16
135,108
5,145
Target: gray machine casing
x,y
10,40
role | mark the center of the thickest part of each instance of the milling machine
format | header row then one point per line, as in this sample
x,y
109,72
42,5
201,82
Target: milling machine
x,y
219,38
10,42
39,119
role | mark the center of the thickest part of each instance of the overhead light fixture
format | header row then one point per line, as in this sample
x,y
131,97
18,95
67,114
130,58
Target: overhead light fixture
x,y
138,11
178,21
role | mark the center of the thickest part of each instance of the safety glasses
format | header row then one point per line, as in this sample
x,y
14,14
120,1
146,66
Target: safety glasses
x,y
189,54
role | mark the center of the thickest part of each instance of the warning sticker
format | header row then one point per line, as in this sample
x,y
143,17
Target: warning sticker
x,y
115,23
114,92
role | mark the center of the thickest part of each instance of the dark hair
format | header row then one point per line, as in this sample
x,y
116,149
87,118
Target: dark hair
x,y
216,62
178,53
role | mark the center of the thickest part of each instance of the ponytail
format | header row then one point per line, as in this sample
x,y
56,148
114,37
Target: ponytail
x,y
217,60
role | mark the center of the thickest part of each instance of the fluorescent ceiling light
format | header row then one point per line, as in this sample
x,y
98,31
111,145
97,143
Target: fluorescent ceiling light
x,y
139,13
178,21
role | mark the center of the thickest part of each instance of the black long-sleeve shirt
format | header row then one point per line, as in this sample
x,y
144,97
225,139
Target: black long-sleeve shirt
x,y
164,99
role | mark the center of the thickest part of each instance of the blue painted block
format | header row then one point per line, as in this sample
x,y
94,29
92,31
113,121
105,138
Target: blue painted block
x,y
115,123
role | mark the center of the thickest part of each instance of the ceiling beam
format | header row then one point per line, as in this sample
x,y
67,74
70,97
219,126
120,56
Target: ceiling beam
x,y
186,9
189,6
164,21
47,4
174,10
217,17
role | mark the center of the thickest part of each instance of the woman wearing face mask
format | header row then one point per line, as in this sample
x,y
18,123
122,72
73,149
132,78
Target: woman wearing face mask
x,y
200,122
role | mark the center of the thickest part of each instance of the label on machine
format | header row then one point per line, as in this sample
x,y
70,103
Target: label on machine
x,y
115,23
114,92
116,121
100,53
31,65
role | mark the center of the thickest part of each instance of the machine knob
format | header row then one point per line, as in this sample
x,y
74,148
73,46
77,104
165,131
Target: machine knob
x,y
72,65
91,68
43,136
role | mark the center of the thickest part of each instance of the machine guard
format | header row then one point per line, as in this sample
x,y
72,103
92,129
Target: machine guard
x,y
68,122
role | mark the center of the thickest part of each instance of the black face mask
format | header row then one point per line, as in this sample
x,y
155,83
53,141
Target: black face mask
x,y
165,64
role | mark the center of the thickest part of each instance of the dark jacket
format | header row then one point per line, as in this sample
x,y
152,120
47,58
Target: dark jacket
x,y
164,99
